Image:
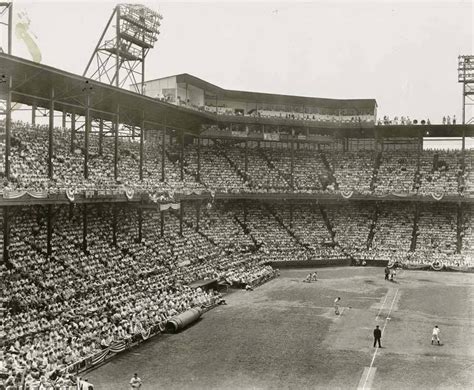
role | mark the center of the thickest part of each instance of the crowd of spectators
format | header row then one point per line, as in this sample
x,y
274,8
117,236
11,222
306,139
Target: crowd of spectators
x,y
66,304
224,168
64,307
405,120
402,120
90,291
329,116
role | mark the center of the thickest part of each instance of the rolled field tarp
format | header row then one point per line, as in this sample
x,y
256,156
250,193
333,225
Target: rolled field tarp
x,y
182,320
437,265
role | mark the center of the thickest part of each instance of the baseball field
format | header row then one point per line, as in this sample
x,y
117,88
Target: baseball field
x,y
285,335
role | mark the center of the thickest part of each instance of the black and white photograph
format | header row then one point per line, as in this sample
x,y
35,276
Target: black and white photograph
x,y
237,195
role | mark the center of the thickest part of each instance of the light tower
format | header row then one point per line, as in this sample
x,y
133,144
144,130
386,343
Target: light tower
x,y
6,28
466,77
6,23
119,56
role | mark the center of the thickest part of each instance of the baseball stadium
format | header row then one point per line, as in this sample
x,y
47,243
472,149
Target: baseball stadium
x,y
169,233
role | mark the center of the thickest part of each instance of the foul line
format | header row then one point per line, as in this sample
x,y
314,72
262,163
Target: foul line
x,y
377,347
381,307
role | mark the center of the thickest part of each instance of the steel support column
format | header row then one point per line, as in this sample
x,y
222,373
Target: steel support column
x,y
143,71
181,215
6,234
84,227
292,161
51,135
8,128
459,226
291,215
101,136
181,158
64,119
163,139
73,131
246,157
87,130
142,141
49,225
33,115
162,223
116,128
140,224
419,150
71,210
117,48
199,159
114,225
198,214
10,28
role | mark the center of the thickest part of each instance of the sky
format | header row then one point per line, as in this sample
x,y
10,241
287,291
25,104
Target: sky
x,y
402,53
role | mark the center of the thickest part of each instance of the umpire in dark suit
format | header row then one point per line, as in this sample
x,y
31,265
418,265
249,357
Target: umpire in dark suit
x,y
377,336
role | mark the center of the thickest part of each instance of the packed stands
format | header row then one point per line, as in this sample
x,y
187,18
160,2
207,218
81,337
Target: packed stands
x,y
82,277
88,293
222,167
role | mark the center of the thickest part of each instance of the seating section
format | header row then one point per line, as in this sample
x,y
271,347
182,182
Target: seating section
x,y
64,306
351,226
396,173
468,234
436,233
353,170
328,116
440,170
82,276
222,167
393,232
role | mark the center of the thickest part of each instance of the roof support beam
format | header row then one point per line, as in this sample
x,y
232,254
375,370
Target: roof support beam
x,y
140,224
101,136
142,141
199,159
292,161
33,115
84,227
51,135
8,127
6,235
163,146
73,130
162,223
198,214
114,224
86,138
181,165
181,216
117,124
49,224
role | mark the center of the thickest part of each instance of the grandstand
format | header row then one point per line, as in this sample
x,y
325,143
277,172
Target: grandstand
x,y
109,218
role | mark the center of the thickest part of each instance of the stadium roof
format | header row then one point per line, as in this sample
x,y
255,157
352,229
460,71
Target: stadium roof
x,y
32,83
261,97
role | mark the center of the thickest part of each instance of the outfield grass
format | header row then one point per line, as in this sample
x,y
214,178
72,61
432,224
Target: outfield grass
x,y
285,335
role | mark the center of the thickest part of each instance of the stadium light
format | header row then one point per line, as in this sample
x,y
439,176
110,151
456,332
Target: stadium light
x,y
466,69
122,48
466,77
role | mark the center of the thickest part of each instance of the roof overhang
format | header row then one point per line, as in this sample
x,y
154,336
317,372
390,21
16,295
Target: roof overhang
x,y
38,84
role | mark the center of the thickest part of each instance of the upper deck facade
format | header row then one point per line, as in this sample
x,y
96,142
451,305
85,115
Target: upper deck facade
x,y
188,91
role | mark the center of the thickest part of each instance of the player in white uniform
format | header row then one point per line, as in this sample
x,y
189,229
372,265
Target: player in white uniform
x,y
435,335
336,305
